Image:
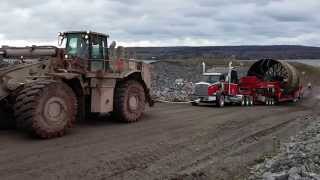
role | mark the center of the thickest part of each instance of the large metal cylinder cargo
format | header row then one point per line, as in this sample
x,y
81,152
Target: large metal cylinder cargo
x,y
275,70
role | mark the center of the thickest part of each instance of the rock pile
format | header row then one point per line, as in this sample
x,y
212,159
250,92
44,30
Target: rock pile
x,y
174,82
298,160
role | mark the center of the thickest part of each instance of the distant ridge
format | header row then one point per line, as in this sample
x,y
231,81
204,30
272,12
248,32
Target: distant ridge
x,y
238,52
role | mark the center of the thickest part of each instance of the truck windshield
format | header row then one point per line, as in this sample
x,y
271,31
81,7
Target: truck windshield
x,y
211,79
76,46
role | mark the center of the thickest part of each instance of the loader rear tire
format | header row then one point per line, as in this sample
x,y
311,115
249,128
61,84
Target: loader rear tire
x,y
129,102
46,108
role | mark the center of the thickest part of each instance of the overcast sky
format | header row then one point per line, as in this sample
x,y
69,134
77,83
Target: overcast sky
x,y
164,22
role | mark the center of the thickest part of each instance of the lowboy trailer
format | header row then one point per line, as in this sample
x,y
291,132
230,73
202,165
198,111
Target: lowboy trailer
x,y
272,83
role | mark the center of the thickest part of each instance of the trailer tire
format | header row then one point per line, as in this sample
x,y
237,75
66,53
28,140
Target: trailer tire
x,y
129,102
46,108
267,101
272,102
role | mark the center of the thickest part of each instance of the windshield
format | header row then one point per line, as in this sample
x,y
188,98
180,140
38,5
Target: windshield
x,y
76,46
211,79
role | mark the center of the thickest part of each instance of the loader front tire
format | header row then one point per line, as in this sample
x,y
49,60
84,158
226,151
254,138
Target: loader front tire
x,y
46,108
129,102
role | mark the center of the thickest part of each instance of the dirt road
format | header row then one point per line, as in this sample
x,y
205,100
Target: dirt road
x,y
171,142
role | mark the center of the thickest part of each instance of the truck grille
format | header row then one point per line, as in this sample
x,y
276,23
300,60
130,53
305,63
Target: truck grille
x,y
201,90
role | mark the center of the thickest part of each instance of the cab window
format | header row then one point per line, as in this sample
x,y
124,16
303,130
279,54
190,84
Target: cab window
x,y
98,53
97,48
76,46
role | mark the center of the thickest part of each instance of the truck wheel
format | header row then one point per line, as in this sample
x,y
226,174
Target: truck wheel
x,y
243,101
46,108
221,101
251,100
129,102
247,101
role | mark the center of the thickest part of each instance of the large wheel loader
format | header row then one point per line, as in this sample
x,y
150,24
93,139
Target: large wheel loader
x,y
45,89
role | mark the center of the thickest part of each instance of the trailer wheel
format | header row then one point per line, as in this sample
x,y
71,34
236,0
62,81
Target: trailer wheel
x,y
272,102
129,102
46,108
221,101
267,101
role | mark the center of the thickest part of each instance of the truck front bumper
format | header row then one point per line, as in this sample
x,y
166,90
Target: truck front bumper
x,y
205,99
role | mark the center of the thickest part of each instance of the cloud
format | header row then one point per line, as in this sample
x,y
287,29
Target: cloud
x,y
164,22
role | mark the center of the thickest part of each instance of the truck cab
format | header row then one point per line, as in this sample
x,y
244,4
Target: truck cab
x,y
217,87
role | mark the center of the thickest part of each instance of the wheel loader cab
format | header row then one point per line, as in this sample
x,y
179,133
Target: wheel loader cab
x,y
88,46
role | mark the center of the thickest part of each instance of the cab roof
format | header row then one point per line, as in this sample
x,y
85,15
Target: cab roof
x,y
86,32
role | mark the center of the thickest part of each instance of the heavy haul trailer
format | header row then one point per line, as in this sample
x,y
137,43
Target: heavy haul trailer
x,y
47,89
267,82
264,92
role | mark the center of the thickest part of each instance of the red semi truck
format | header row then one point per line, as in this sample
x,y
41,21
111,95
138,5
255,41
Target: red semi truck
x,y
225,88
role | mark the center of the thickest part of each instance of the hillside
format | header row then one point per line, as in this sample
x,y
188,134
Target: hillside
x,y
238,52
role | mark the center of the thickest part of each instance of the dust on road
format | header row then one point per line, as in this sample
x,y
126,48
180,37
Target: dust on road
x,y
170,142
